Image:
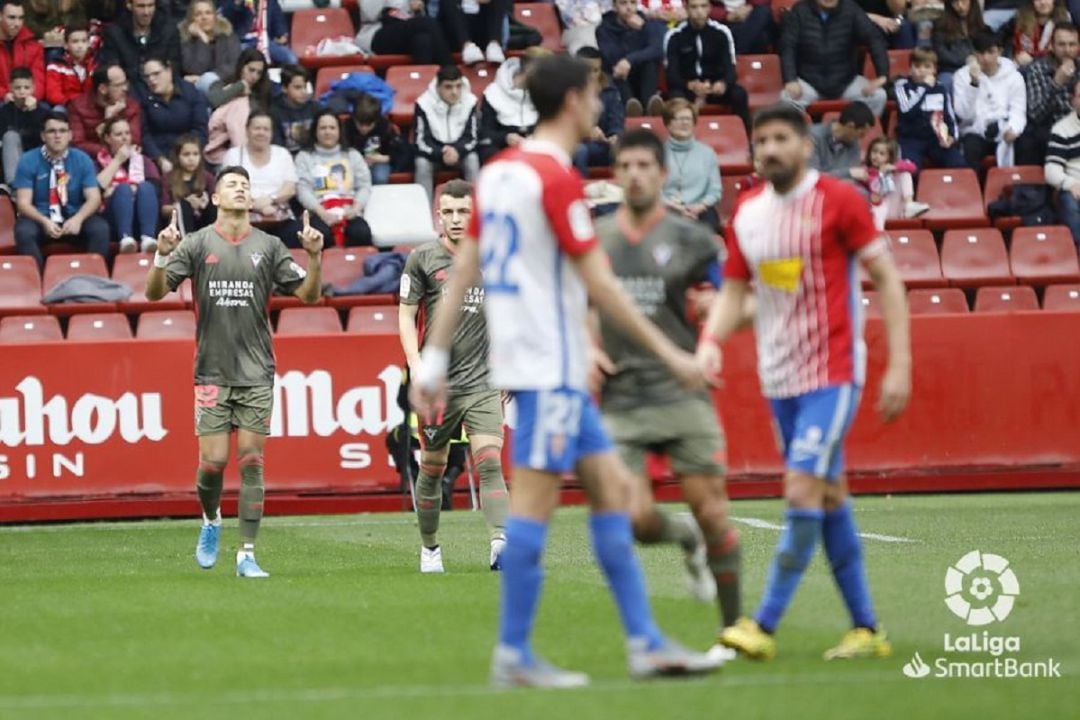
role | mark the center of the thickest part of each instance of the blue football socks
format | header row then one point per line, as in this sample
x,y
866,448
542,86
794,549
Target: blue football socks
x,y
522,577
613,544
793,555
844,549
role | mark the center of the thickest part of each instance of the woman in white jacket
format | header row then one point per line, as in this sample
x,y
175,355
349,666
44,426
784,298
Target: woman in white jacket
x,y
990,101
446,129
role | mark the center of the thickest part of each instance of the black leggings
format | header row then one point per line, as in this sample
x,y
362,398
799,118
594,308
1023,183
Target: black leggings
x,y
419,37
483,27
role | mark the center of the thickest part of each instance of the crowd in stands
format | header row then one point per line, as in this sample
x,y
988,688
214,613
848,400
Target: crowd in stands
x,y
115,114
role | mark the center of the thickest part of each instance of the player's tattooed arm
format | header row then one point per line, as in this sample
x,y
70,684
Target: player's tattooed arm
x,y
896,384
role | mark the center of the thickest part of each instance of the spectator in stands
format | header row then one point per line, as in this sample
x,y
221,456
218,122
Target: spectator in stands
x,y
701,62
632,48
373,135
1063,165
128,195
401,27
927,125
596,151
471,24
581,18
138,34
19,48
446,129
20,122
508,115
1049,81
750,22
49,20
107,98
187,187
818,59
70,75
293,110
334,184
246,15
273,178
836,144
919,22
886,180
57,196
991,103
1029,35
171,107
246,79
693,184
208,47
952,35
888,17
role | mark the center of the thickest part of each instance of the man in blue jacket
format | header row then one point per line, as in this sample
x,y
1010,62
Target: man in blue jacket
x,y
632,48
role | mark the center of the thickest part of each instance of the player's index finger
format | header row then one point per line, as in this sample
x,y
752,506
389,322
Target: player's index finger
x,y
307,220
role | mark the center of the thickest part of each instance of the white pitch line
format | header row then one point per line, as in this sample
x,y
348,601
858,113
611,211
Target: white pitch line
x,y
766,525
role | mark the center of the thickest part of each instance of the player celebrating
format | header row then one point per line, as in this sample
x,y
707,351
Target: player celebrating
x,y
540,256
659,257
471,399
234,268
798,237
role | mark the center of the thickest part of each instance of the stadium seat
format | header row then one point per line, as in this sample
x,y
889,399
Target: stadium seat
x,y
1012,298
7,226
373,320
970,258
732,185
131,270
871,304
99,326
916,256
760,76
29,329
1043,255
997,179
864,144
1062,297
656,125
409,83
542,17
329,75
311,26
60,267
308,321
954,197
399,215
20,286
342,266
899,65
480,76
726,135
166,325
937,302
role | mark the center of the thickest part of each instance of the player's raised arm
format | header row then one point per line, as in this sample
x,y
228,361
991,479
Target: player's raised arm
x,y
896,384
167,241
311,240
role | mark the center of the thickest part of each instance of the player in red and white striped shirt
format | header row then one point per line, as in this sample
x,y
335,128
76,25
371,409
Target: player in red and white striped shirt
x,y
800,238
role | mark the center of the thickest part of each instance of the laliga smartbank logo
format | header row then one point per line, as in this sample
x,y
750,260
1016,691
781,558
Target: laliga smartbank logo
x,y
981,589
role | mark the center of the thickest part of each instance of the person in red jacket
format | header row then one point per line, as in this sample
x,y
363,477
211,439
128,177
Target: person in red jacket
x,y
107,98
70,76
19,48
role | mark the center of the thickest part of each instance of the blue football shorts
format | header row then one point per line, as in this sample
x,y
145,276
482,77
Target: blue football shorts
x,y
556,429
812,429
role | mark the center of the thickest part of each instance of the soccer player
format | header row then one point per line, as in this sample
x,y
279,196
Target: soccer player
x,y
234,268
471,401
799,236
659,256
540,263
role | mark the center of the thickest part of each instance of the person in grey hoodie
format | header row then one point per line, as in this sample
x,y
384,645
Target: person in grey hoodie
x,y
508,115
334,184
693,185
446,129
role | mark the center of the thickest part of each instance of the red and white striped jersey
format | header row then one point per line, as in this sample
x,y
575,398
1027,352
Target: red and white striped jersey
x,y
800,250
530,217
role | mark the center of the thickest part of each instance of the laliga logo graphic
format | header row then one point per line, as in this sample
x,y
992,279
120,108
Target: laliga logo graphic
x,y
988,581
916,668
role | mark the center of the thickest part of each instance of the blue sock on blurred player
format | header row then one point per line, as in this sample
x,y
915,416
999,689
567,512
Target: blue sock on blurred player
x,y
844,550
793,555
613,543
522,577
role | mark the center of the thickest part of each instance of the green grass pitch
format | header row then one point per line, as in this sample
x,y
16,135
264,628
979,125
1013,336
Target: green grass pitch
x,y
116,621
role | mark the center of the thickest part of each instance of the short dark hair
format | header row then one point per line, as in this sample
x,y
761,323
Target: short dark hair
x,y
588,52
550,78
291,72
319,115
644,139
5,3
783,112
20,73
100,76
448,73
985,41
924,55
57,116
258,112
232,170
858,114
368,109
156,57
1066,27
74,28
457,188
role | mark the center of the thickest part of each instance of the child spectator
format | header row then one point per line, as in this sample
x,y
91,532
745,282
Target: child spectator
x,y
372,135
20,121
1027,36
72,74
187,187
596,151
991,104
128,197
927,124
208,47
446,129
632,47
293,110
19,48
888,183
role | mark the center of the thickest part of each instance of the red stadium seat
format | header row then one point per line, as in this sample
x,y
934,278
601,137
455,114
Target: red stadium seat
x,y
864,144
1006,299
342,266
20,286
329,75
954,197
131,270
726,135
308,321
311,26
542,17
871,304
649,123
480,76
61,267
166,325
30,329
970,258
733,186
916,256
899,65
99,326
1043,255
760,76
373,320
997,179
1062,297
937,302
409,82
7,226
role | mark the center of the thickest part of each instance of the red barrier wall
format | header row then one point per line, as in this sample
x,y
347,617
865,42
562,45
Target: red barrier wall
x,y
112,421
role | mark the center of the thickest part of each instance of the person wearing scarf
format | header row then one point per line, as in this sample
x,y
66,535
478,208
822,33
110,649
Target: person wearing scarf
x,y
128,197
